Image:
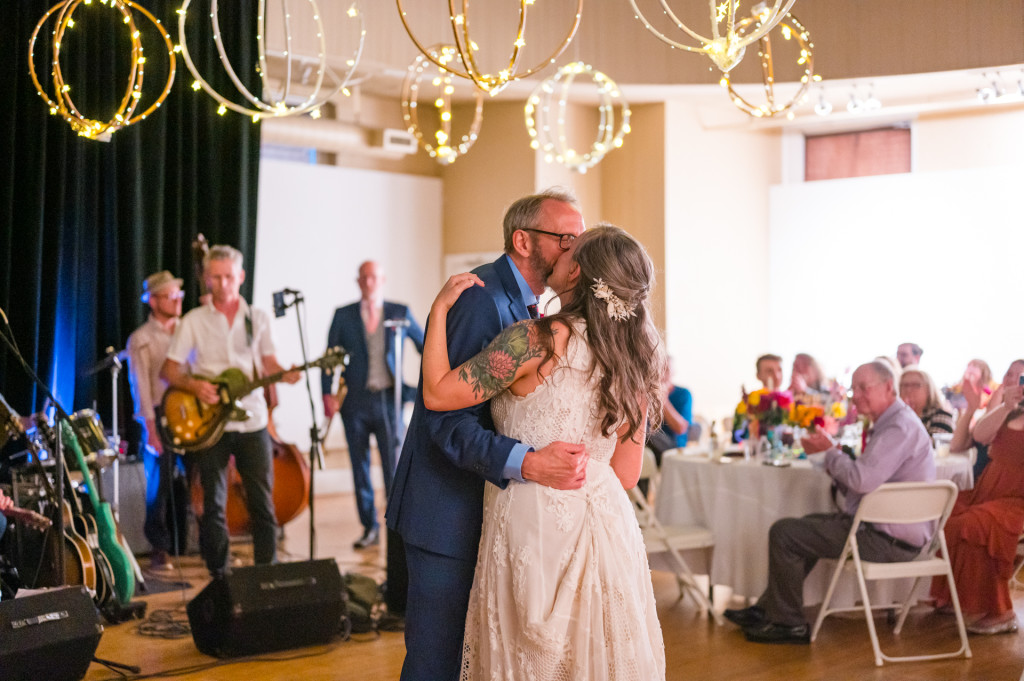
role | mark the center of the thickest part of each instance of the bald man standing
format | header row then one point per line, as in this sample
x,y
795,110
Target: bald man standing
x,y
371,379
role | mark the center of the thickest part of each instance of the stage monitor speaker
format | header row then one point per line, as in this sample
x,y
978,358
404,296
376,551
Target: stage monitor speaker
x,y
50,635
268,607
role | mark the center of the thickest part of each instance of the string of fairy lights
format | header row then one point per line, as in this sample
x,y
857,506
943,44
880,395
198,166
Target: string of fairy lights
x,y
726,44
467,48
440,74
274,105
546,118
61,104
790,30
430,80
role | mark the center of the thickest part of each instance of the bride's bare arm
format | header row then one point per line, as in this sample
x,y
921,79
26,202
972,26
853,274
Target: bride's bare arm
x,y
627,459
513,353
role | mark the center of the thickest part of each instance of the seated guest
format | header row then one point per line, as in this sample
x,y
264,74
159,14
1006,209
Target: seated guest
x,y
894,366
769,371
908,353
963,435
898,450
979,375
677,413
920,394
987,521
808,380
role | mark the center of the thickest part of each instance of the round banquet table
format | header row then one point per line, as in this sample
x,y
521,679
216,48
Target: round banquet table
x,y
739,500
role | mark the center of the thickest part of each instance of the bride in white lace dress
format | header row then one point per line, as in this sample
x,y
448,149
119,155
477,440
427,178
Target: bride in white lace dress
x,y
562,589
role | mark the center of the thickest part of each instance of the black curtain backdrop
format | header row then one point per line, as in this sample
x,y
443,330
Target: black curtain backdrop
x,y
83,222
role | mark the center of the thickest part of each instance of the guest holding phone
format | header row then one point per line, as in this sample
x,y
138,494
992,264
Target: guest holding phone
x,y
987,521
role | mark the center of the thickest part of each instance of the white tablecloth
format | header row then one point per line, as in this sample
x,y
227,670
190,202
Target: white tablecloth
x,y
738,501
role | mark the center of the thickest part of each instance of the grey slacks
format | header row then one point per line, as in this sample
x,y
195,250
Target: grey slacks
x,y
794,547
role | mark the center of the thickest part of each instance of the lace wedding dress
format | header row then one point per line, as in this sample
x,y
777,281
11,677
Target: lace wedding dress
x,y
562,590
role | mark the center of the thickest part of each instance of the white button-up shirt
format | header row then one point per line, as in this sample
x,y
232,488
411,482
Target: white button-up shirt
x,y
207,345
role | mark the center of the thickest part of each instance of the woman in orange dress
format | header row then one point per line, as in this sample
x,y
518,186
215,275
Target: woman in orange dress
x,y
987,521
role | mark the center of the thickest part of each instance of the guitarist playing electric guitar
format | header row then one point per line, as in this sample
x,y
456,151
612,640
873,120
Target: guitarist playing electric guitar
x,y
229,334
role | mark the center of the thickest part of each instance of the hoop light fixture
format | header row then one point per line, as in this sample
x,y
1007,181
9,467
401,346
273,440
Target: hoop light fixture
x,y
791,30
726,44
441,148
271,105
466,47
62,104
546,123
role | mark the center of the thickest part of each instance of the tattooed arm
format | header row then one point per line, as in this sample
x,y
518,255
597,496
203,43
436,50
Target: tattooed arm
x,y
509,356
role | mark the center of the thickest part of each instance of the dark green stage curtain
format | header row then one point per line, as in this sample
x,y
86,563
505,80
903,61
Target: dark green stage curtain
x,y
83,222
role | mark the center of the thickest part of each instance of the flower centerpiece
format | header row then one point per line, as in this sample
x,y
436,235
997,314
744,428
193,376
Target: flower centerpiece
x,y
760,411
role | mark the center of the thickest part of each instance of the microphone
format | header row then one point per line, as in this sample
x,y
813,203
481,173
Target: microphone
x,y
279,305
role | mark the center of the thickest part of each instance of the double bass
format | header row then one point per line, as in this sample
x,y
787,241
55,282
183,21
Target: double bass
x,y
291,472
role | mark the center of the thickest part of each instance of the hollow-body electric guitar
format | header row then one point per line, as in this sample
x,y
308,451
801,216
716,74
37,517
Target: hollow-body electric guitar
x,y
189,424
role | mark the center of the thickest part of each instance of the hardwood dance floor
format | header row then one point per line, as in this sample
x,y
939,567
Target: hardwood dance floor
x,y
696,648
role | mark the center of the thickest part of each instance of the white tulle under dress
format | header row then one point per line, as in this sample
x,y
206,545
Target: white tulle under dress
x,y
562,590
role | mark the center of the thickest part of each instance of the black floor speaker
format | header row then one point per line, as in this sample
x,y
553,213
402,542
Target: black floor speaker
x,y
268,607
51,635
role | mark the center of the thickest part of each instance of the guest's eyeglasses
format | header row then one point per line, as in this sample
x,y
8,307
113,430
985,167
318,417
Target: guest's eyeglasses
x,y
564,240
177,295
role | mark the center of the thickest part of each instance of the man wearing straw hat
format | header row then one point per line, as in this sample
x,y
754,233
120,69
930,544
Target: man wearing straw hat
x,y
147,350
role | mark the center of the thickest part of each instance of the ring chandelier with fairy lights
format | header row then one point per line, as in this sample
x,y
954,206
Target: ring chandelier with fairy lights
x,y
791,30
442,147
546,124
466,47
274,106
61,103
726,44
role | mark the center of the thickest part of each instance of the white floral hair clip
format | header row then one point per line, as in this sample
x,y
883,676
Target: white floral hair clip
x,y
617,309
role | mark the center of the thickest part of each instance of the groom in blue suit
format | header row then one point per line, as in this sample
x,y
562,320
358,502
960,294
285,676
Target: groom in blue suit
x,y
371,379
436,503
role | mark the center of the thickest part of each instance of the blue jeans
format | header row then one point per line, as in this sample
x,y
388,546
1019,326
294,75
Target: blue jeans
x,y
159,487
254,462
375,413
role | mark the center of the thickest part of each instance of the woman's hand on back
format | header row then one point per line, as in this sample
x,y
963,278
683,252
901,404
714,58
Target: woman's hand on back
x,y
453,288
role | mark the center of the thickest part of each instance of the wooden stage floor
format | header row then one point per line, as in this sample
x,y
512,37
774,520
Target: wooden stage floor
x,y
696,648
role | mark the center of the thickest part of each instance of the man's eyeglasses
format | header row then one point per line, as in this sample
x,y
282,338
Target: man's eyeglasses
x,y
177,295
564,240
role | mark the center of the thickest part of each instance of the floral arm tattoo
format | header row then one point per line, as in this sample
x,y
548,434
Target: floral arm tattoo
x,y
495,367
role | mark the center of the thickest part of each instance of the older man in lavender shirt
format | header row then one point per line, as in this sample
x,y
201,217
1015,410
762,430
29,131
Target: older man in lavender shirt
x,y
898,449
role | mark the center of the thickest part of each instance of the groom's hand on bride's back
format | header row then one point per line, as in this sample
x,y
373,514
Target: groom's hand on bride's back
x,y
560,465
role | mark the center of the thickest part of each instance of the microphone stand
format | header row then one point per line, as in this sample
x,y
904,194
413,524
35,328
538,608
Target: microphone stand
x,y
399,325
314,431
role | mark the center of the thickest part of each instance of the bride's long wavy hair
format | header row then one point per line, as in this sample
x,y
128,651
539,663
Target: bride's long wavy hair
x,y
626,353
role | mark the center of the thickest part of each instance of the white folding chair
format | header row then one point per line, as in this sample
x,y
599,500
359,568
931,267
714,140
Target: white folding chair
x,y
900,503
671,539
1016,582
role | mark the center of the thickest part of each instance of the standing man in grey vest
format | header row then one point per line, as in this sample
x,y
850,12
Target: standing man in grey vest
x,y
371,379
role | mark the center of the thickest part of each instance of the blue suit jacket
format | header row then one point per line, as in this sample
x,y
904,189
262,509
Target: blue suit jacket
x,y
437,497
348,331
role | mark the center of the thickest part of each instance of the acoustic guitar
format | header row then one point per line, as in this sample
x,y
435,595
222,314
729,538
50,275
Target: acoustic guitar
x,y
79,561
189,424
83,525
28,518
115,553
